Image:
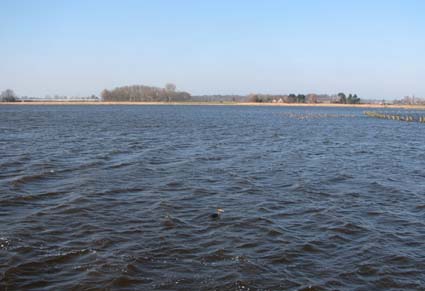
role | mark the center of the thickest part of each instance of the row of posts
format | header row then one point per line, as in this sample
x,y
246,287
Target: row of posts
x,y
409,118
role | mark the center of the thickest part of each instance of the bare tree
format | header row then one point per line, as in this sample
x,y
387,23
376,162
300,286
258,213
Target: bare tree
x,y
8,96
312,98
170,87
140,93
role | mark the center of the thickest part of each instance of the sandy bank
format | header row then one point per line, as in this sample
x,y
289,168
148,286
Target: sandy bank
x,y
67,103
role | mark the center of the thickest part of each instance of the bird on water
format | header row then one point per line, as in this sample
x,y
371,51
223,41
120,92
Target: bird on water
x,y
217,214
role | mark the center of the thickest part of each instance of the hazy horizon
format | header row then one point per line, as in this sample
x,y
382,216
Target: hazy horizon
x,y
79,48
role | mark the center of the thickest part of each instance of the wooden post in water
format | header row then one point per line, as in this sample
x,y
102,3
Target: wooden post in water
x,y
398,116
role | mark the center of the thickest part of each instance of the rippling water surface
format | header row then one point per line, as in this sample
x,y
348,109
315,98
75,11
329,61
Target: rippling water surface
x,y
120,197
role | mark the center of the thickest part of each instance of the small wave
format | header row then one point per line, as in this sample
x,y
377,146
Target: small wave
x,y
216,256
249,245
64,257
348,228
36,267
309,248
374,213
127,281
312,288
30,178
26,198
399,259
119,165
282,259
121,191
83,166
339,178
367,270
274,232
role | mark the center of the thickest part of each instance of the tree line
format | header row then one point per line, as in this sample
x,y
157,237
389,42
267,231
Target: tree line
x,y
291,98
140,93
351,99
301,98
409,100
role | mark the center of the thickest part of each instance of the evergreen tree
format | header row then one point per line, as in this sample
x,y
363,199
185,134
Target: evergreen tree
x,y
342,98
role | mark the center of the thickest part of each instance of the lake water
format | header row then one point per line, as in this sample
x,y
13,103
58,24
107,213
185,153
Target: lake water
x,y
120,198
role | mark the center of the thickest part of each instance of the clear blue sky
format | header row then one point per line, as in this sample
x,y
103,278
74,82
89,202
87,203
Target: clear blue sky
x,y
374,48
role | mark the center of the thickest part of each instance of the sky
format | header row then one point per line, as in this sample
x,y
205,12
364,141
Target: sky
x,y
374,48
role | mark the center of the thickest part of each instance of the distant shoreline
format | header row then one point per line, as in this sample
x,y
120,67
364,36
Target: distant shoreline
x,y
68,103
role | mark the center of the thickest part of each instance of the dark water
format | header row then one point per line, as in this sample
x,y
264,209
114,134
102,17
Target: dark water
x,y
119,198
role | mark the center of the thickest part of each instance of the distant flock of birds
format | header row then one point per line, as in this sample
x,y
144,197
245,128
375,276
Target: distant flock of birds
x,y
311,115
